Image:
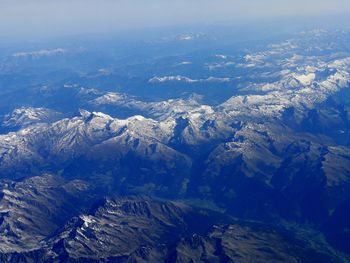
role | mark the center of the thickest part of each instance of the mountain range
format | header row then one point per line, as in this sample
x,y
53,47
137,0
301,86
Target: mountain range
x,y
261,175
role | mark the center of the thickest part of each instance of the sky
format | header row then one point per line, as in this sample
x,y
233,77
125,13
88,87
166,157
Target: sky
x,y
60,17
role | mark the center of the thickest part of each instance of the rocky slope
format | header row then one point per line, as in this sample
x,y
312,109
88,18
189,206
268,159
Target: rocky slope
x,y
32,209
26,116
145,230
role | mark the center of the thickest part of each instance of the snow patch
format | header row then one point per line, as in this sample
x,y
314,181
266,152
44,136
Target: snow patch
x,y
306,79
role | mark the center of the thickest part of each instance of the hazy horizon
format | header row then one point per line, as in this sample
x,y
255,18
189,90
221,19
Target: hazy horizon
x,y
55,18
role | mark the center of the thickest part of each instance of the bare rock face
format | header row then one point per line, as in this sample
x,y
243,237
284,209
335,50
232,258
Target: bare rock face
x,y
140,229
32,209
